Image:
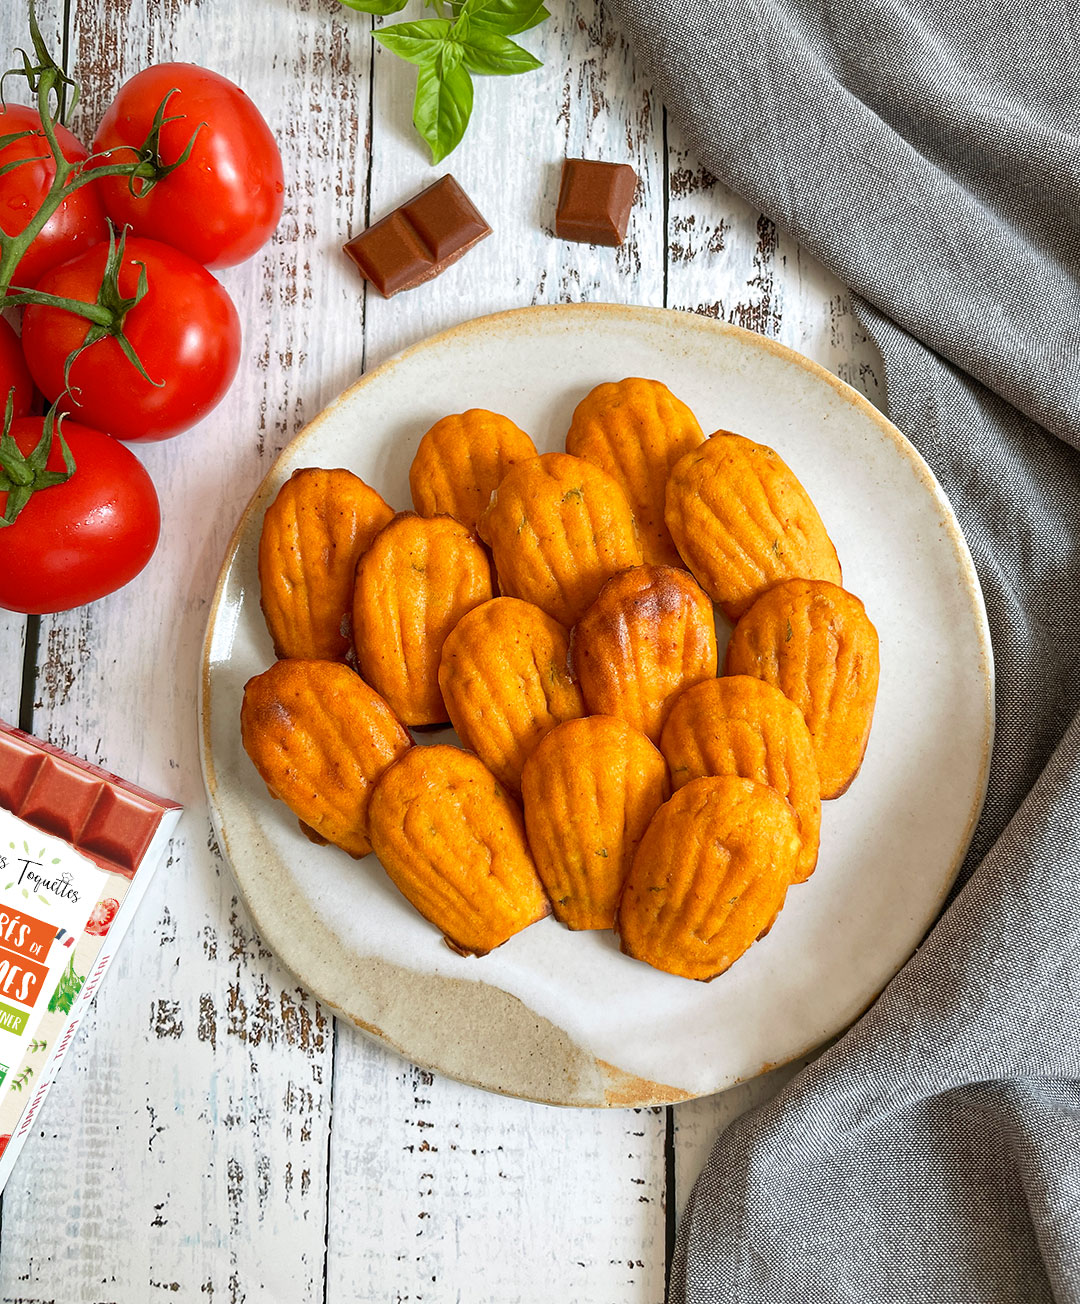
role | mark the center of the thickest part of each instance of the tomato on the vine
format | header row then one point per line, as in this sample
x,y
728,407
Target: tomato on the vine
x,y
77,224
77,541
225,201
14,376
185,330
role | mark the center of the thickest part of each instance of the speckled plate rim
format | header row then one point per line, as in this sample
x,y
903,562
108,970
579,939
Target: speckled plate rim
x,y
533,1059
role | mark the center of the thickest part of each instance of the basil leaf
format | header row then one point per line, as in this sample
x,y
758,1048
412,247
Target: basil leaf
x,y
506,16
376,6
418,42
444,100
491,54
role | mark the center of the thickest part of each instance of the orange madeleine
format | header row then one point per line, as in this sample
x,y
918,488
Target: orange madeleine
x,y
505,679
418,578
460,462
454,844
589,791
321,739
709,877
558,528
649,634
746,727
636,430
741,522
313,534
814,641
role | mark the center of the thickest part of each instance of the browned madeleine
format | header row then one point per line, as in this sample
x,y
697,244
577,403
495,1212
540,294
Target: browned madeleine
x,y
418,578
558,528
814,641
506,681
649,635
746,727
636,430
709,876
460,462
312,536
589,791
742,522
454,844
321,738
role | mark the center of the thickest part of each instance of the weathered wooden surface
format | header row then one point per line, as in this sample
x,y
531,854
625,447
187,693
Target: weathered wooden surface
x,y
214,1133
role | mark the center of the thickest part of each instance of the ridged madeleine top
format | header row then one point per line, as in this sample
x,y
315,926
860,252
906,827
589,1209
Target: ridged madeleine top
x,y
636,430
413,585
558,528
649,635
742,522
506,681
312,536
814,641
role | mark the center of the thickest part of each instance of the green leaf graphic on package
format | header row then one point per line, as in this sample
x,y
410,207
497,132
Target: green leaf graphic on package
x,y
67,989
469,38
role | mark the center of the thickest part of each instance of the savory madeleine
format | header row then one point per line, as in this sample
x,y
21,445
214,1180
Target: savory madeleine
x,y
558,528
709,877
648,636
636,430
746,727
418,578
312,536
589,791
505,679
321,739
454,844
742,521
814,641
460,462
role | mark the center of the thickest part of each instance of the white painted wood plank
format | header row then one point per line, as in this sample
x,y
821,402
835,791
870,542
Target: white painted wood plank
x,y
478,1197
184,1148
12,644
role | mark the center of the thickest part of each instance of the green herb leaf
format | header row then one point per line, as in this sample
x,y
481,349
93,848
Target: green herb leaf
x,y
376,6
419,42
490,54
509,17
444,101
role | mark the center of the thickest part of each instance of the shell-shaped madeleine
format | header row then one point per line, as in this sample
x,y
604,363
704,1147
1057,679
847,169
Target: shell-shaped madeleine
x,y
709,876
648,636
321,739
460,462
418,578
746,727
742,521
636,430
558,528
814,641
312,536
589,791
454,844
505,679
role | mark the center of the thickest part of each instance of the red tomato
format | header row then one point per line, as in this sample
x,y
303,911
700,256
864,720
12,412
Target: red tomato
x,y
102,916
224,203
77,224
185,329
13,373
77,541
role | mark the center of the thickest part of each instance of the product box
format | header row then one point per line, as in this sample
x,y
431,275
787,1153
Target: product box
x,y
77,849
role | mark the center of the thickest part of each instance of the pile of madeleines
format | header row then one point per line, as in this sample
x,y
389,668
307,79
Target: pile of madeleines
x,y
558,611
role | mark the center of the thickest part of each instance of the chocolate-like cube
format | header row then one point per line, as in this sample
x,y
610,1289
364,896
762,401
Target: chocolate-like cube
x,y
418,240
595,201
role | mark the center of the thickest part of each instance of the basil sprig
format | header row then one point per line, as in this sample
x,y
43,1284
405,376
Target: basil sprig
x,y
473,40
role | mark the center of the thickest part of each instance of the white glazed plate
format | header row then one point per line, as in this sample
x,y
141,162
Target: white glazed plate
x,y
563,1017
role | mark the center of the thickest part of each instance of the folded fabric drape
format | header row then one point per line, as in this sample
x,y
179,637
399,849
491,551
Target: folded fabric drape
x,y
928,152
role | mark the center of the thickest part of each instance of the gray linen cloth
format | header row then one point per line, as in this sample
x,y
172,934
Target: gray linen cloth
x,y
928,151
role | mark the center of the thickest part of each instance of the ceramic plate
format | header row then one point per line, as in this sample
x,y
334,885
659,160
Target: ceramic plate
x,y
563,1017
